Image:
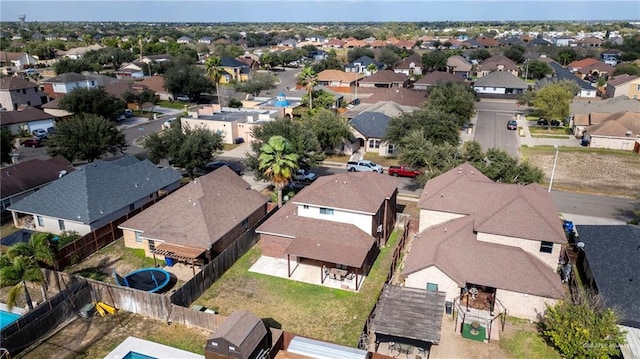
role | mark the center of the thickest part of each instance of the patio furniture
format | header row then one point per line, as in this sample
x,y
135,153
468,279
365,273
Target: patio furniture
x,y
338,273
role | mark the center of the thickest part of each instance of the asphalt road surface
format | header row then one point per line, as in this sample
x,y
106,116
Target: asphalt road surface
x,y
491,131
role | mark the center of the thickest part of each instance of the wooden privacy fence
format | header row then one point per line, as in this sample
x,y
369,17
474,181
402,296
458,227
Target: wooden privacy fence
x,y
90,243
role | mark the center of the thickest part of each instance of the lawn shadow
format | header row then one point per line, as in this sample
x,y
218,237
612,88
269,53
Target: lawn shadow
x,y
100,271
172,282
271,323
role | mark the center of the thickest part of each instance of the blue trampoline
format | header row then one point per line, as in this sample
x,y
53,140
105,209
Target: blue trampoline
x,y
147,279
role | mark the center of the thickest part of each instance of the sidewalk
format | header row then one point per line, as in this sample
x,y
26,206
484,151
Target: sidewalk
x,y
530,141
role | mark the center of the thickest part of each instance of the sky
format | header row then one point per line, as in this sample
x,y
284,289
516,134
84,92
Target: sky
x,y
318,10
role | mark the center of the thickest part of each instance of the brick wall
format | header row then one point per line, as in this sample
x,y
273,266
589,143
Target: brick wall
x,y
274,246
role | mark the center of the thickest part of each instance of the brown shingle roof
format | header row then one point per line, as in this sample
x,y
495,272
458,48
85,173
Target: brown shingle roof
x,y
621,79
6,56
385,77
30,174
504,209
414,59
361,191
436,77
599,67
494,61
621,124
200,213
119,88
28,115
15,83
453,248
242,329
337,75
399,95
154,83
578,64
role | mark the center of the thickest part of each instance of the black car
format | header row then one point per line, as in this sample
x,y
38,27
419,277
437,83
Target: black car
x,y
214,165
545,122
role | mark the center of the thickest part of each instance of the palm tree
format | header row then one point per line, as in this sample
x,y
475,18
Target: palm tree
x,y
17,272
39,250
372,68
278,162
309,79
214,71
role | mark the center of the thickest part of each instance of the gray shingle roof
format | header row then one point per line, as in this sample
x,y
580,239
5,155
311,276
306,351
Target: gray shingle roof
x,y
501,79
68,77
612,253
364,61
563,74
371,124
98,189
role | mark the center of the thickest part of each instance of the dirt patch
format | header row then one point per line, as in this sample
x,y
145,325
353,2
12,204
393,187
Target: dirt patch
x,y
595,172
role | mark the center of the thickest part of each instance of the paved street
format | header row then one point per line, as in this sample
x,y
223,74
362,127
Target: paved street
x,y
491,131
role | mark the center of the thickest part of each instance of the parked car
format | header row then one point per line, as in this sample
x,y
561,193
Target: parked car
x,y
214,165
304,176
167,124
121,117
128,113
364,166
32,142
183,98
512,125
545,122
403,171
51,131
40,132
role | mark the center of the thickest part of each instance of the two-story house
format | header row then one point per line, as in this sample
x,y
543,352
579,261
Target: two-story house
x,y
234,70
362,66
16,61
499,63
338,221
15,91
65,83
489,244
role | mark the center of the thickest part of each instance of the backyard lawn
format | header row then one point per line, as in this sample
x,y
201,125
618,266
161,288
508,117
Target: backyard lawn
x,y
309,310
177,105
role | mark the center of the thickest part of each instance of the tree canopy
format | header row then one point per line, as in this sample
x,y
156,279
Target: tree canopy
x,y
553,100
454,99
6,145
87,138
277,162
388,57
358,52
630,68
94,101
435,60
188,80
68,65
330,129
260,82
538,69
434,125
185,147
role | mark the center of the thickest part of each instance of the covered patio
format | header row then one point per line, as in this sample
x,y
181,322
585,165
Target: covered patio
x,y
406,321
173,253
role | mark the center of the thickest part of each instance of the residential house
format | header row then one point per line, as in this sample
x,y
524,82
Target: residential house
x,y
16,61
538,41
362,64
497,63
205,40
588,113
318,55
436,77
281,103
15,91
337,78
26,120
623,85
564,41
338,221
458,65
22,179
591,41
234,70
596,70
93,196
184,40
608,263
65,83
500,83
388,108
165,39
487,42
369,128
353,43
288,43
198,221
53,108
377,44
619,131
155,84
334,43
561,73
385,79
410,66
250,61
79,52
130,71
577,65
496,243
231,123
611,56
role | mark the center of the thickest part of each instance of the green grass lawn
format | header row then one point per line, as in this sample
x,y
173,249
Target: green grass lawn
x,y
337,158
549,150
527,344
315,311
383,161
177,105
550,131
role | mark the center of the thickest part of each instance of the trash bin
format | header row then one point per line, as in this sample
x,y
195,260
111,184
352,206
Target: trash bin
x,y
448,307
169,261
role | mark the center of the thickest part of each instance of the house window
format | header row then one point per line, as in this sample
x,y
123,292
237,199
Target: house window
x,y
432,287
305,206
245,224
138,237
374,143
328,211
40,221
131,207
61,224
546,247
152,245
24,91
391,150
93,83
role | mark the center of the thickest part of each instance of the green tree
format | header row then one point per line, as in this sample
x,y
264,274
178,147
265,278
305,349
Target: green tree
x,y
278,162
515,53
585,329
538,70
630,68
436,126
95,101
388,57
455,99
17,272
435,60
6,144
184,147
214,71
565,56
78,66
553,100
260,82
480,54
501,167
321,99
418,151
358,52
188,80
330,129
86,137
140,98
309,79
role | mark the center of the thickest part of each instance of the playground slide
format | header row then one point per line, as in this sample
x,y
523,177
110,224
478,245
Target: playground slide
x,y
100,310
106,307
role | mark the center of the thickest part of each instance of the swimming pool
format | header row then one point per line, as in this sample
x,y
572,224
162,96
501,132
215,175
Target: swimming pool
x,y
134,355
7,318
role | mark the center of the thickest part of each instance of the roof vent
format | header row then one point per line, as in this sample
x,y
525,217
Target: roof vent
x,y
136,185
441,194
62,173
445,230
147,178
194,203
628,133
101,212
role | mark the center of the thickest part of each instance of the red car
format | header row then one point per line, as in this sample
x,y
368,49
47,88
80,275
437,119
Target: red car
x,y
32,142
403,171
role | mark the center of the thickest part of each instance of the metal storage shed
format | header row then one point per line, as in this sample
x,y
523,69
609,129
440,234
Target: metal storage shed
x,y
323,350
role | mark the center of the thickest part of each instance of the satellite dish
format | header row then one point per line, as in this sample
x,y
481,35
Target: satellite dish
x,y
580,245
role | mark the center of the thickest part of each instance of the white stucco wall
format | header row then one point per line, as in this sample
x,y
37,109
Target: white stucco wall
x,y
227,129
360,220
430,218
51,225
493,90
533,247
613,143
522,305
432,274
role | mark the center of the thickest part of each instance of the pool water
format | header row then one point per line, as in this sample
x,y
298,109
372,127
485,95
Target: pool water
x,y
7,318
134,355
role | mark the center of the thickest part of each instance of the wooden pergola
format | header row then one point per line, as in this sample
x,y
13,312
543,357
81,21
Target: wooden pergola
x,y
181,253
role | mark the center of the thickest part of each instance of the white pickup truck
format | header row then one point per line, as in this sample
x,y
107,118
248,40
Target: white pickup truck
x,y
304,176
364,166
